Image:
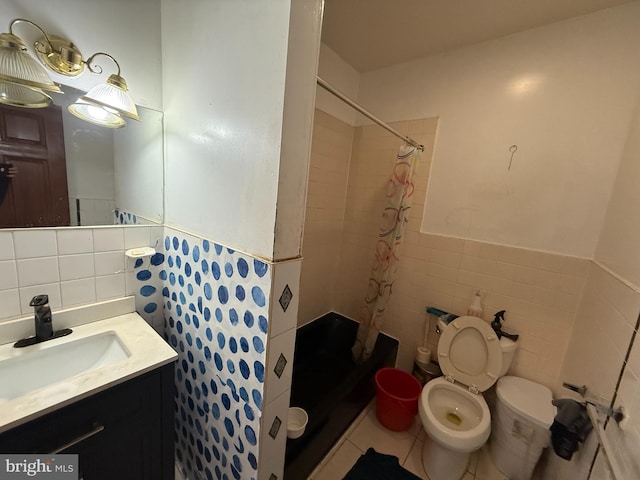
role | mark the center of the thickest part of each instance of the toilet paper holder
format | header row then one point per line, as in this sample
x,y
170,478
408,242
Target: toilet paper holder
x,y
618,414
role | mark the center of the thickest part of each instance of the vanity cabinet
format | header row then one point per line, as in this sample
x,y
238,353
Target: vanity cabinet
x,y
124,433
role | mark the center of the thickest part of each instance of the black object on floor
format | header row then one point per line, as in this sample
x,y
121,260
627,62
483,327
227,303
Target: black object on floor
x,y
377,466
330,387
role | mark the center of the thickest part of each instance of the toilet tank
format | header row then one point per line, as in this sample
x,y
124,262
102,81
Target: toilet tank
x,y
509,348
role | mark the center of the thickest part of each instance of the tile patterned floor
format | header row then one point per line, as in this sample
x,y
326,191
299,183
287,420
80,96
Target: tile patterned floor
x,y
367,432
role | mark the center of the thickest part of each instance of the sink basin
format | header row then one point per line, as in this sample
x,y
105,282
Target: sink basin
x,y
34,367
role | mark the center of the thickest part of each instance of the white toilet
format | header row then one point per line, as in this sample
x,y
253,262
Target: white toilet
x,y
452,409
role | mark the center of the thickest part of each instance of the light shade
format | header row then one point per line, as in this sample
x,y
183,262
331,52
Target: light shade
x,y
96,114
113,95
21,96
18,67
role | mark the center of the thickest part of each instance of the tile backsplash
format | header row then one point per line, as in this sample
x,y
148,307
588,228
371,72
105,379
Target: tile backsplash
x,y
74,266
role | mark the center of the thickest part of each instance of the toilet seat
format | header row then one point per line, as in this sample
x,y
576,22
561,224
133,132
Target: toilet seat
x,y
469,352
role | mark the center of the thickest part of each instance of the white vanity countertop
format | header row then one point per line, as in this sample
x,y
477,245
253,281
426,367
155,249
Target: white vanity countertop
x,y
147,349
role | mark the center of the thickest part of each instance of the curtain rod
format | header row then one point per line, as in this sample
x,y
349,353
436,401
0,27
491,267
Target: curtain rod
x,y
367,114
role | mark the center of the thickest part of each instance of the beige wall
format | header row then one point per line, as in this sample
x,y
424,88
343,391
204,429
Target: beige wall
x,y
373,157
540,291
558,93
326,197
604,324
575,317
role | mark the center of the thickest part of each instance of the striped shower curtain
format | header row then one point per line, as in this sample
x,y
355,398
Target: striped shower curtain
x,y
394,221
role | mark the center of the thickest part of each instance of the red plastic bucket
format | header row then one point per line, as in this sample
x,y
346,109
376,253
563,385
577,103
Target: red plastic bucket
x,y
397,398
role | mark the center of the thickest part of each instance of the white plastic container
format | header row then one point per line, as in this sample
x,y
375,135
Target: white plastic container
x,y
520,426
296,422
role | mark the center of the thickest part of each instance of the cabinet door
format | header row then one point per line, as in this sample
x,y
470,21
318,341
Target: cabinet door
x,y
125,452
118,434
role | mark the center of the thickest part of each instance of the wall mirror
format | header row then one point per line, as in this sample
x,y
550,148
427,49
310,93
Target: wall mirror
x,y
57,170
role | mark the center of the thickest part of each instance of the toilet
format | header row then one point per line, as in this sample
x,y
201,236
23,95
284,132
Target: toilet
x,y
452,409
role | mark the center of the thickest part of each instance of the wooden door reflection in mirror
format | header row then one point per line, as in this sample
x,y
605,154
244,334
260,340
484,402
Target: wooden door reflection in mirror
x,y
33,176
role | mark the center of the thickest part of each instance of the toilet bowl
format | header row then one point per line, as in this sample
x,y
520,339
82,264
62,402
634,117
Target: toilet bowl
x,y
456,418
453,412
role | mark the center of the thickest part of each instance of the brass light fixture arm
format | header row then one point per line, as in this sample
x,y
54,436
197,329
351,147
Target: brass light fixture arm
x,y
44,34
98,68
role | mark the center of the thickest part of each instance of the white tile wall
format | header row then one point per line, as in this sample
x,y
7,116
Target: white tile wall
x,y
8,275
135,237
285,273
271,461
109,263
282,344
326,197
75,240
110,286
625,440
594,357
10,303
77,292
36,271
281,341
6,246
108,239
35,243
74,266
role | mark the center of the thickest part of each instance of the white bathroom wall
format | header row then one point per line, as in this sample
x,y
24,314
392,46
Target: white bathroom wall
x,y
305,25
127,30
324,219
620,235
223,120
138,164
606,324
90,170
237,137
603,327
564,94
232,173
334,70
617,252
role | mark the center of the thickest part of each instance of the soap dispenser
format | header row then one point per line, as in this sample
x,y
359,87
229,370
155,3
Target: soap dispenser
x,y
475,307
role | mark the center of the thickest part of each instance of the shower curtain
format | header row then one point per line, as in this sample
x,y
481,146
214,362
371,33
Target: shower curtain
x,y
394,221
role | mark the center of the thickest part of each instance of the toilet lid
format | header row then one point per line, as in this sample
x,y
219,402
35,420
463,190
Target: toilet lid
x,y
470,352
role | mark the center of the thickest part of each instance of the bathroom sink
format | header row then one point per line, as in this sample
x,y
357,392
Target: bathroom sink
x,y
25,370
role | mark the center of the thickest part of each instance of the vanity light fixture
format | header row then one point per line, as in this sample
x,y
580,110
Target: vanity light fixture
x,y
24,82
105,104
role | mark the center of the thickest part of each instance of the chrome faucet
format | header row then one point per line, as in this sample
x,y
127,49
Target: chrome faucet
x,y
44,323
44,326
